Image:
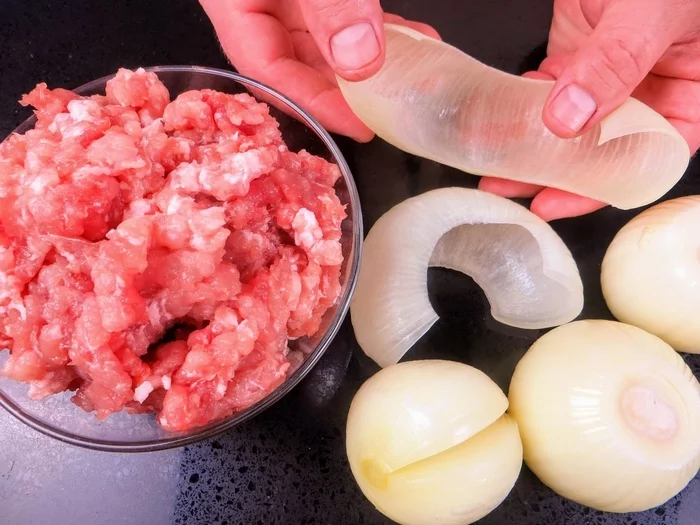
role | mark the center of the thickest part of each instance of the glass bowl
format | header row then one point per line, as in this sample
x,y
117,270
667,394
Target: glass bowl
x,y
58,417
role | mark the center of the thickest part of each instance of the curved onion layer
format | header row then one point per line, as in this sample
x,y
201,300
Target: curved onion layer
x,y
526,271
651,276
609,415
432,100
429,442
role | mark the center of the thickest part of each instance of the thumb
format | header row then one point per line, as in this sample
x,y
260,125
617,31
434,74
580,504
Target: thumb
x,y
349,34
605,70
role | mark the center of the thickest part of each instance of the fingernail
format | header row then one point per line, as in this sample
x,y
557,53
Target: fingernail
x,y
355,46
573,107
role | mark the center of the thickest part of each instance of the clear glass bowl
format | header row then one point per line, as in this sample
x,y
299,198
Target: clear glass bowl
x,y
58,417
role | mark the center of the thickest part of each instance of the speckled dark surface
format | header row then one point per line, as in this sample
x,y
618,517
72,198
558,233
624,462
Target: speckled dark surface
x,y
288,465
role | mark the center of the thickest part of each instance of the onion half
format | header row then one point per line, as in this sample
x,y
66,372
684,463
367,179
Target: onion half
x,y
429,442
524,268
432,100
651,273
609,415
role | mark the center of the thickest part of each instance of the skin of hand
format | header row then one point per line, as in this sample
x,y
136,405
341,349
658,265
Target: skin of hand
x,y
600,52
298,46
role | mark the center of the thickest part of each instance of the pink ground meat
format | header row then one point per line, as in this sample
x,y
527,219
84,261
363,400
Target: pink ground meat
x,y
127,216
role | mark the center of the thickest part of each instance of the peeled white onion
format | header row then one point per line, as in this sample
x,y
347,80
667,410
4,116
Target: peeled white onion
x,y
432,100
526,271
429,442
609,415
651,273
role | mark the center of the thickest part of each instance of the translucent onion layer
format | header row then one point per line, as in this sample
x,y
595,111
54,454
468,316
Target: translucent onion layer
x,y
429,442
651,273
609,415
432,100
526,271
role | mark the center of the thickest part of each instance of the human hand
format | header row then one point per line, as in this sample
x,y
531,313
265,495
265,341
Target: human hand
x,y
298,46
600,52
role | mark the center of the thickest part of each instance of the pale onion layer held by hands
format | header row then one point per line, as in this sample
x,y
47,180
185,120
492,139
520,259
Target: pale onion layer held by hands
x,y
429,442
524,268
651,273
609,415
432,100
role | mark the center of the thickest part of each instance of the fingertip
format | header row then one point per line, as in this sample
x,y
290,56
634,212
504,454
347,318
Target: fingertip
x,y
334,114
508,188
351,128
537,75
554,65
426,29
553,204
361,134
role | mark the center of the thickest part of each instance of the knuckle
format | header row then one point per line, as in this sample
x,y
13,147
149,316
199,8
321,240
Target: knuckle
x,y
336,8
623,61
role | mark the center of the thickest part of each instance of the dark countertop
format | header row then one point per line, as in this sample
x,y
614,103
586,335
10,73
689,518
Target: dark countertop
x,y
287,465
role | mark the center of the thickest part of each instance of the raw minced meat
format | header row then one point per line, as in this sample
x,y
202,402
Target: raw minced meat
x,y
158,256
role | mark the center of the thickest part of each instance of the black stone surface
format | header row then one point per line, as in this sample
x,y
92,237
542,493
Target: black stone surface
x,y
288,466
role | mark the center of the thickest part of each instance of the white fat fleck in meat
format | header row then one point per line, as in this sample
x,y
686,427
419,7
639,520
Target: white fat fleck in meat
x,y
64,124
84,110
157,311
142,391
43,181
154,127
120,282
9,289
131,164
19,307
32,162
140,208
295,294
167,382
59,122
245,329
175,203
185,177
211,220
199,242
249,163
232,178
282,148
221,389
90,172
134,241
306,229
207,178
226,319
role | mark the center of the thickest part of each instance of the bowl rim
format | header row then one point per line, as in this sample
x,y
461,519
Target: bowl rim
x,y
343,305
